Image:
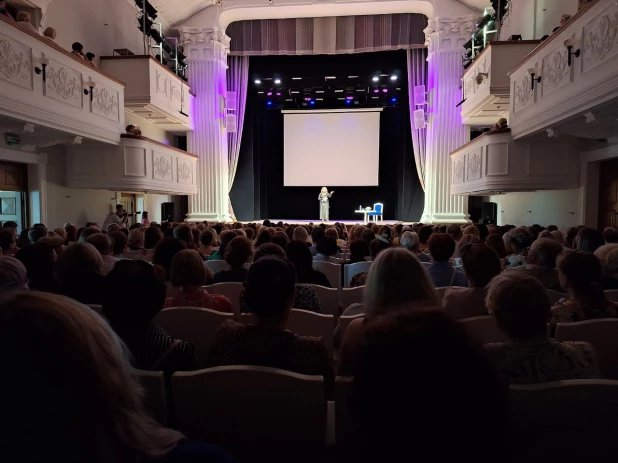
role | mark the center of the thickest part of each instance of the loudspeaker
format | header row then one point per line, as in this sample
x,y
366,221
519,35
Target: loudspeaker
x,y
419,119
230,100
490,213
230,123
420,98
167,212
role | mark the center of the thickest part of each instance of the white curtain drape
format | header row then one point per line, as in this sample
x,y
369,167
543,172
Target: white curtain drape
x,y
237,81
417,75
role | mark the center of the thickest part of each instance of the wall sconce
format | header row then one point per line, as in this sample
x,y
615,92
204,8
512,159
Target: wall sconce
x,y
570,44
41,70
91,85
533,73
480,77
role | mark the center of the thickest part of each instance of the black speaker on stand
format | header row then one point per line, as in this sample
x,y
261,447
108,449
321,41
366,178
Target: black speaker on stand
x,y
167,212
490,214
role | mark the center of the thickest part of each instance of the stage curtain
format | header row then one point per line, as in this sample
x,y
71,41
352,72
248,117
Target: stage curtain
x,y
417,75
337,35
237,81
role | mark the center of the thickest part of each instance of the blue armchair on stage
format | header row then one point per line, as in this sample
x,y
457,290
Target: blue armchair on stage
x,y
377,212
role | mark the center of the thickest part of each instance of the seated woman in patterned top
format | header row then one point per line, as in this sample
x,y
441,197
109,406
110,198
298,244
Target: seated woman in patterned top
x,y
269,291
580,274
520,306
187,275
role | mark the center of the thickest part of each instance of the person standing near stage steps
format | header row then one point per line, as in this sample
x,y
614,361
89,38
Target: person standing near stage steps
x,y
323,197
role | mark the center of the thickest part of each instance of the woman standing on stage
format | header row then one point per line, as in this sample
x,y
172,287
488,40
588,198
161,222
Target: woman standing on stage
x,y
324,205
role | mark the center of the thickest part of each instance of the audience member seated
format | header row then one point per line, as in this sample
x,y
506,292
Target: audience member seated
x,y
580,275
558,236
519,240
85,233
152,236
238,253
24,20
379,244
471,230
418,379
270,288
467,240
424,233
397,281
183,233
188,275
80,276
13,275
300,234
610,235
8,242
36,233
589,240
481,263
206,240
135,245
326,248
4,12
541,263
281,239
409,240
76,380
119,242
441,248
456,233
40,261
134,294
359,249
90,58
165,252
226,238
77,49
50,33
299,254
104,246
368,235
263,237
610,270
317,233
496,242
520,306
71,234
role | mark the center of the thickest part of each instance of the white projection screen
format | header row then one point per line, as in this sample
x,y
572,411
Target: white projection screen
x,y
331,148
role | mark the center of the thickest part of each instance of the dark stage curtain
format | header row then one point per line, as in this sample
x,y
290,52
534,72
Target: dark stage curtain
x,y
258,191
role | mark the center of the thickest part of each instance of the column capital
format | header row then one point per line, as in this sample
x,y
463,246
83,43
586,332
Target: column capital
x,y
449,34
205,44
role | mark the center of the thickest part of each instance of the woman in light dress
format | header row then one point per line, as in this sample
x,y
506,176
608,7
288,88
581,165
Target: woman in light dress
x,y
323,197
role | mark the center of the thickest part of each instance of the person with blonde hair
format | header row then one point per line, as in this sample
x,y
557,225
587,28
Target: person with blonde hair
x,y
135,243
323,198
471,230
77,399
24,20
50,33
520,305
13,275
300,234
187,275
396,281
80,273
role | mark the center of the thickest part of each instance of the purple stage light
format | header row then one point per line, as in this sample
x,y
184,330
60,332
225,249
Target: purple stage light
x,y
376,91
385,90
278,93
349,97
269,94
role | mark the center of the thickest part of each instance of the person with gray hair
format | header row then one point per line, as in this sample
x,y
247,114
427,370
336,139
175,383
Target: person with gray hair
x,y
13,275
541,263
409,240
102,244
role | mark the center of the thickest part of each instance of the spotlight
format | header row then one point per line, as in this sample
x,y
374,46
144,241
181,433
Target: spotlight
x,y
385,90
277,81
393,77
375,78
269,94
376,90
278,93
394,100
312,102
257,81
348,101
269,103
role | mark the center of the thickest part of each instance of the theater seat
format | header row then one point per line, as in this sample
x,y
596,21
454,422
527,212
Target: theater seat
x,y
230,290
332,272
217,265
351,296
352,269
329,299
484,329
155,400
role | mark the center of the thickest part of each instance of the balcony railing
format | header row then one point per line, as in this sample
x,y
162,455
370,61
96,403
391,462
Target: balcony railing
x,y
42,83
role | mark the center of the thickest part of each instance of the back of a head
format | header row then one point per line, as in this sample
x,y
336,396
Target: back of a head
x,y
300,234
238,252
270,286
581,269
183,233
13,274
546,252
281,239
396,280
424,233
610,235
519,303
152,236
471,230
119,242
165,252
368,235
101,243
327,246
39,260
496,242
332,232
409,240
207,237
36,233
78,260
136,238
454,230
483,231
481,263
441,247
134,294
589,239
379,244
359,249
557,236
196,235
187,268
263,237
7,239
268,249
317,234
299,254
399,412
521,239
86,233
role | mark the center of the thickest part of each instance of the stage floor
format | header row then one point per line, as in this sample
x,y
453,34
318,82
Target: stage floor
x,y
331,222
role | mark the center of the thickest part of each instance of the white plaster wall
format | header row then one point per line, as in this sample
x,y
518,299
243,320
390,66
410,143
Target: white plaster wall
x,y
556,207
535,18
72,205
85,21
151,130
152,204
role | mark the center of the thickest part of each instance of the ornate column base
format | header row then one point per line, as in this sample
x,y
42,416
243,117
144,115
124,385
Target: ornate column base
x,y
445,218
198,217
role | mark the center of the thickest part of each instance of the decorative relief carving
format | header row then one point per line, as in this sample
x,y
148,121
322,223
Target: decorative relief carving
x,y
470,87
556,70
458,171
176,94
161,83
64,84
474,166
105,103
208,44
185,172
523,92
15,62
600,39
162,168
448,34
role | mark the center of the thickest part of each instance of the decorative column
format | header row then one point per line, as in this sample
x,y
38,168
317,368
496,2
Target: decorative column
x,y
206,50
445,131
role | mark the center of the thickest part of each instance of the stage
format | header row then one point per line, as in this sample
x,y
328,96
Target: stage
x,y
331,222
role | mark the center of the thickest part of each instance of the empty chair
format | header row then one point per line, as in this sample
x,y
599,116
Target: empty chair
x,y
344,322
602,334
611,295
332,272
230,290
246,407
329,299
97,308
572,420
216,265
352,269
442,291
484,329
377,212
154,398
555,296
351,296
194,325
